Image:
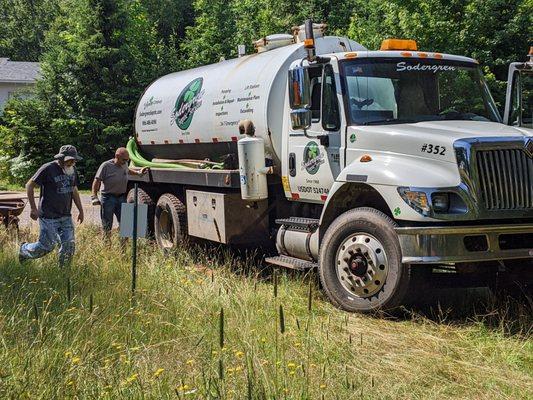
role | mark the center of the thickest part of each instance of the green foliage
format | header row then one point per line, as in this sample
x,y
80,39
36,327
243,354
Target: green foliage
x,y
23,27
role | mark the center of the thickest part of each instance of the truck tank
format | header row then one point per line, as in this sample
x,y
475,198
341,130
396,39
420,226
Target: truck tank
x,y
194,114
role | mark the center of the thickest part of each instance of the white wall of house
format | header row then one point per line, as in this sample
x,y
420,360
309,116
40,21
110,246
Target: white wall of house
x,y
7,89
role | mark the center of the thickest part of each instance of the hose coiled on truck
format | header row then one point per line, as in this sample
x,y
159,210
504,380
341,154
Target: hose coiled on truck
x,y
138,160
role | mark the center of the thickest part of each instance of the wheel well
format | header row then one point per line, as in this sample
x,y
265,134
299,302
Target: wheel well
x,y
352,195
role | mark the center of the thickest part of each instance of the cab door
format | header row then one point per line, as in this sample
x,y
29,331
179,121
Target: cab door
x,y
519,95
314,153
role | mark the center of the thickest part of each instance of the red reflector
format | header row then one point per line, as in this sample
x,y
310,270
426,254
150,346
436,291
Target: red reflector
x,y
234,138
152,142
166,141
196,140
323,197
181,141
215,140
295,196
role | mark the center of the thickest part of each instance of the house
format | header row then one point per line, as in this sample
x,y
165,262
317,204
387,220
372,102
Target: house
x,y
16,76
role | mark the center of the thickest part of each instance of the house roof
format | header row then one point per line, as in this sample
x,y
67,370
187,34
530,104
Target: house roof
x,y
18,71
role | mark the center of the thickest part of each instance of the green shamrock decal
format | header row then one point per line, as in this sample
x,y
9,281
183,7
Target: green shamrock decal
x,y
187,103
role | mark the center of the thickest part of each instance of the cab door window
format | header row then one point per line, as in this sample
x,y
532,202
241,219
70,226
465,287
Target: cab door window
x,y
330,104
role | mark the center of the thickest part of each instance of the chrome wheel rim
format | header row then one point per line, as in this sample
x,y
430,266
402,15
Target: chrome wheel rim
x,y
362,265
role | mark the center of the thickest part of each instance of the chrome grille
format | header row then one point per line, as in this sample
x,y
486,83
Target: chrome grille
x,y
505,179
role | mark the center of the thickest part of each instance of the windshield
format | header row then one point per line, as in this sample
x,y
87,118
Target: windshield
x,y
399,90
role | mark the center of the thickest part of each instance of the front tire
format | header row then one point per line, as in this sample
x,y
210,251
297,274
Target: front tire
x,y
360,263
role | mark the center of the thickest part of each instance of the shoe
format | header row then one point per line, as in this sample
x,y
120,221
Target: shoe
x,y
21,257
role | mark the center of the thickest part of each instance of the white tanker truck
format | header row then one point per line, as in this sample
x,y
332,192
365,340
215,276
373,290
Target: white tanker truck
x,y
375,167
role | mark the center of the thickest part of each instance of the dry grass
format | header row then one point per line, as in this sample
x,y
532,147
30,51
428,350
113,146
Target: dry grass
x,y
168,345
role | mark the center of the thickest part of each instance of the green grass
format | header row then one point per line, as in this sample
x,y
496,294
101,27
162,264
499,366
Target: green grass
x,y
170,344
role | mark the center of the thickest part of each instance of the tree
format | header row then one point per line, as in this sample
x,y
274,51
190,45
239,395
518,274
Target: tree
x,y
23,27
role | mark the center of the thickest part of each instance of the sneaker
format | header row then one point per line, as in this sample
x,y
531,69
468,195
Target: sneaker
x,y
21,257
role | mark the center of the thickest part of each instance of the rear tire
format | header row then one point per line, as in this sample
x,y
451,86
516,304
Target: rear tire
x,y
144,198
360,263
170,222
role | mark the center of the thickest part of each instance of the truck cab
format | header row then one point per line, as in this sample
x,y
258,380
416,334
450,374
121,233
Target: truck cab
x,y
415,168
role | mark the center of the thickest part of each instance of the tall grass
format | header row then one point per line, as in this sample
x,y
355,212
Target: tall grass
x,y
207,324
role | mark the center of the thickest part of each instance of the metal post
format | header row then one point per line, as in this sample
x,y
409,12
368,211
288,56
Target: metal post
x,y
134,243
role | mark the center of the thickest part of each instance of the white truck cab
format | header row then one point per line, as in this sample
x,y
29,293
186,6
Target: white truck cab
x,y
382,166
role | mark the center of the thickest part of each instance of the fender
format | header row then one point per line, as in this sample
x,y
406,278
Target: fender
x,y
380,178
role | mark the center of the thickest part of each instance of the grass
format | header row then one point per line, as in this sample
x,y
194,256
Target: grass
x,y
208,324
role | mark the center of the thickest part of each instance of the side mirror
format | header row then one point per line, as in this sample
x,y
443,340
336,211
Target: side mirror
x,y
299,88
301,119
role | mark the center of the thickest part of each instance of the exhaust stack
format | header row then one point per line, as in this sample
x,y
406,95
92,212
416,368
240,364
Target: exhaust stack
x,y
309,42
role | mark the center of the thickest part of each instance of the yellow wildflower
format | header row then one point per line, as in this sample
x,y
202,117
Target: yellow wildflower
x,y
291,365
132,378
68,353
190,362
322,386
76,360
239,354
158,372
183,387
70,383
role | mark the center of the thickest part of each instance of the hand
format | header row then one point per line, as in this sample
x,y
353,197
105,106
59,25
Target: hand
x,y
95,201
144,170
80,217
34,214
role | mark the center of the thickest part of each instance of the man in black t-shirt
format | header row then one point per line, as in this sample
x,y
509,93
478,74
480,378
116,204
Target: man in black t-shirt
x,y
58,181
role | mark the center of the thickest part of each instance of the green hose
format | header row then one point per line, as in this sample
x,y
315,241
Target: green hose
x,y
139,161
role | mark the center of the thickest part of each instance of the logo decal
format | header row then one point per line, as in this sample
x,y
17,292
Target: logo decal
x,y
312,158
528,147
403,66
189,100
151,102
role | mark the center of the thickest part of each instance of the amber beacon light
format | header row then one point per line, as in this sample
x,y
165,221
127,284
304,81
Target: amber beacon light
x,y
399,44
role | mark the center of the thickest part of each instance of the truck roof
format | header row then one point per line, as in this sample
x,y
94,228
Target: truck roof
x,y
401,54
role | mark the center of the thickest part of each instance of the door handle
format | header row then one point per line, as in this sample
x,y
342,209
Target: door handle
x,y
292,164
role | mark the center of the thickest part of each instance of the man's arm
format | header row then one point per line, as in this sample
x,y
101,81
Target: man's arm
x,y
30,192
97,182
96,186
142,171
77,201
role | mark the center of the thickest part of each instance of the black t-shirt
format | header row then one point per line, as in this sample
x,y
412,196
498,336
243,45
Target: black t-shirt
x,y
56,190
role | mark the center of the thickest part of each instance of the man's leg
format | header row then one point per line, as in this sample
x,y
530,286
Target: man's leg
x,y
118,207
106,213
66,237
45,244
118,213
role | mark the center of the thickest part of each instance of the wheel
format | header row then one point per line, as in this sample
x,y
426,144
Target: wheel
x,y
170,222
360,262
144,198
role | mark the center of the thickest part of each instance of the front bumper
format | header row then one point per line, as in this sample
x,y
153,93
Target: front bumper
x,y
444,244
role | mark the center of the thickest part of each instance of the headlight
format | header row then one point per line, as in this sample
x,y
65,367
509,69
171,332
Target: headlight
x,y
416,200
441,202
